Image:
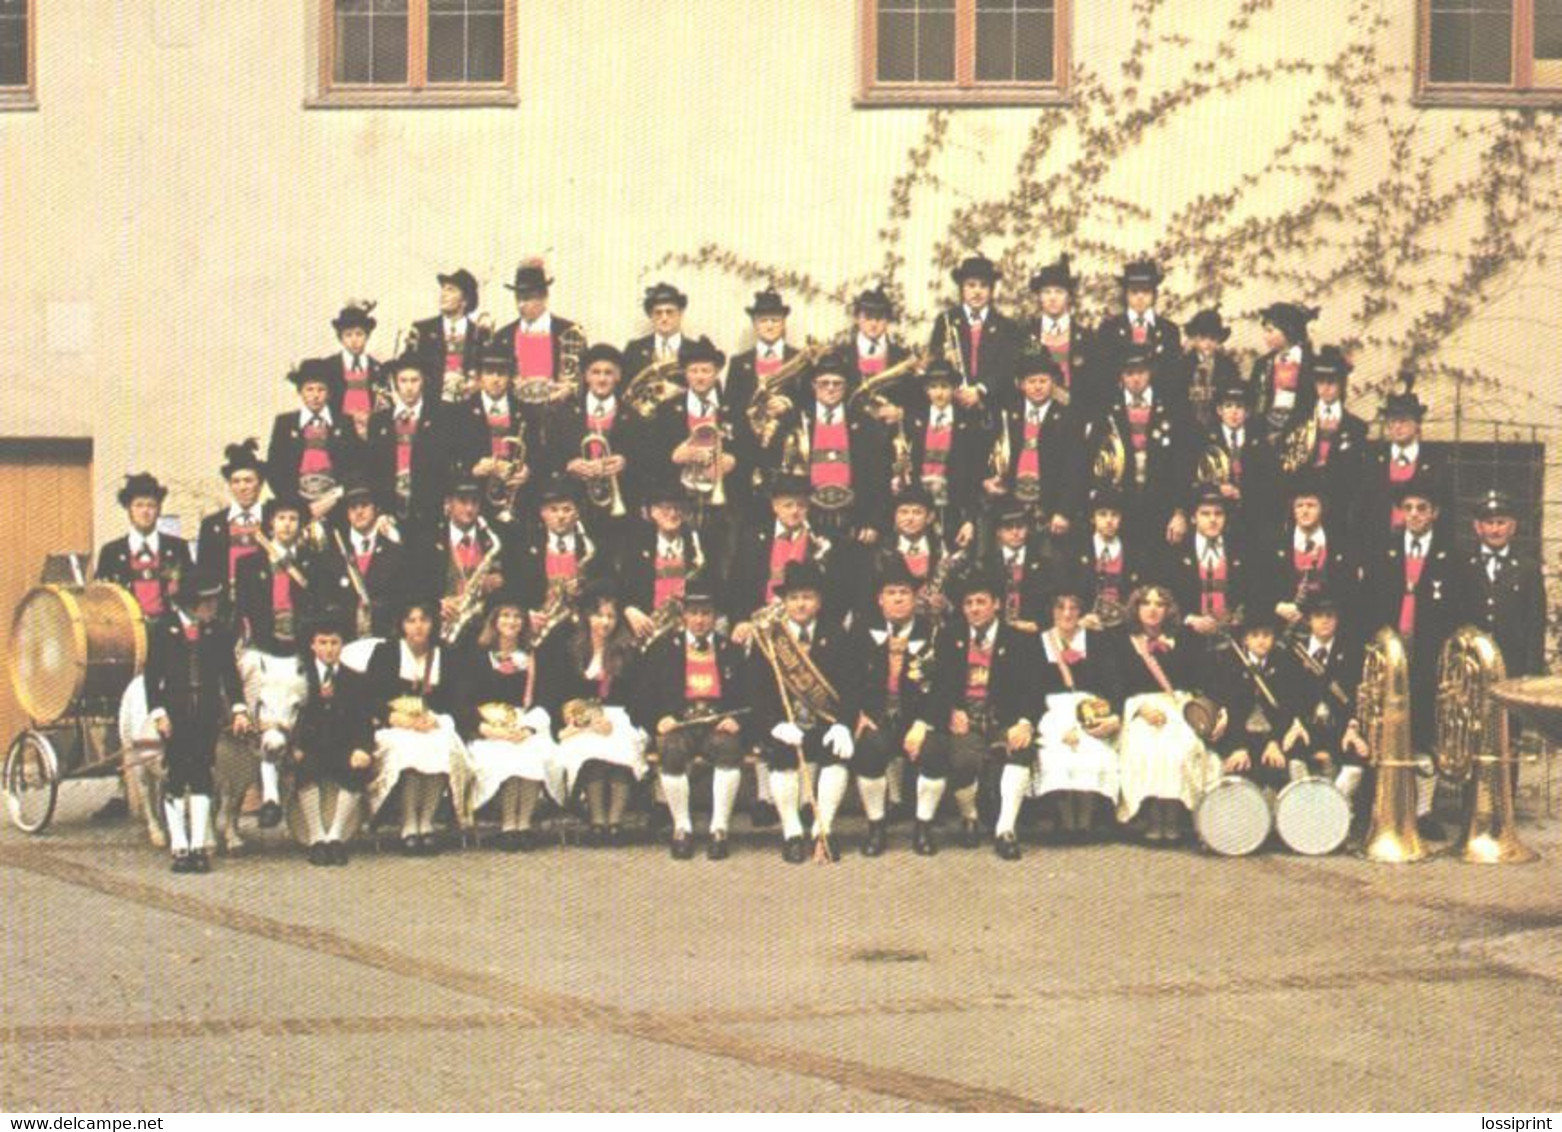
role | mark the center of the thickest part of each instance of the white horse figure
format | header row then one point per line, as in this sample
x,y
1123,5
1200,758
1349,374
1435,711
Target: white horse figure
x,y
274,690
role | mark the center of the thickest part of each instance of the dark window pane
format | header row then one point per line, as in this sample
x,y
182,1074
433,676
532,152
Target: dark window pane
x,y
1472,41
897,47
485,48
446,48
1548,29
1014,41
916,41
936,47
994,47
13,42
1033,47
371,41
465,41
390,49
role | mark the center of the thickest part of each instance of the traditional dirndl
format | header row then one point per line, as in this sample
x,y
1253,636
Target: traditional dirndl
x,y
398,750
1168,762
624,746
496,761
1088,767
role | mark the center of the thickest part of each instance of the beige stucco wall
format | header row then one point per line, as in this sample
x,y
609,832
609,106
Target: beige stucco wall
x,y
175,227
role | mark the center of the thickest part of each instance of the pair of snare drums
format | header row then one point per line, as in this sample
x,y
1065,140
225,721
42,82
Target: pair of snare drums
x,y
1236,817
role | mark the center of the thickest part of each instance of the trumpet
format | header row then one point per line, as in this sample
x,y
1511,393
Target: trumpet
x,y
602,491
953,354
998,461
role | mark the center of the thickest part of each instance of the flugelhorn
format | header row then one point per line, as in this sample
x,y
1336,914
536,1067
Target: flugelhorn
x,y
602,491
701,476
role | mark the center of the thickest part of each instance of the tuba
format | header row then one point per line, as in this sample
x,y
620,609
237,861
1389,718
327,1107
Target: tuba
x,y
602,491
1111,461
1473,747
1383,706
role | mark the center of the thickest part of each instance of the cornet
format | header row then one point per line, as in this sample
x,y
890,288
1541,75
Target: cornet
x,y
602,491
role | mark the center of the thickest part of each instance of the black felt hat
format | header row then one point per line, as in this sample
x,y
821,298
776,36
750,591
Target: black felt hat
x,y
355,314
661,294
976,267
530,277
141,485
1055,274
768,302
465,281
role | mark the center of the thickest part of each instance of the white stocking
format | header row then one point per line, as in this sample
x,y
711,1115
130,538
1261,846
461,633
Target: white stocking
x,y
270,791
965,799
676,787
309,803
178,831
873,792
833,781
930,792
200,820
341,820
783,787
1011,792
724,793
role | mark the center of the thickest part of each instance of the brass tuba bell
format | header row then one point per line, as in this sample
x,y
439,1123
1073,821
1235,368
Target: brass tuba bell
x,y
1383,706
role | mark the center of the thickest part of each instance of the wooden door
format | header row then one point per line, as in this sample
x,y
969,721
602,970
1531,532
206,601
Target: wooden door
x,y
46,499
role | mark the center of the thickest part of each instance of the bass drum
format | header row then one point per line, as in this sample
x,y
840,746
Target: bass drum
x,y
1312,817
71,645
1234,818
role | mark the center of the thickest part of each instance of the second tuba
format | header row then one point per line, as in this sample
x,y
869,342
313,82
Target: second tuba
x,y
1383,706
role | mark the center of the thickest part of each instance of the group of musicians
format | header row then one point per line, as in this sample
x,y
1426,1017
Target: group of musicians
x,y
995,566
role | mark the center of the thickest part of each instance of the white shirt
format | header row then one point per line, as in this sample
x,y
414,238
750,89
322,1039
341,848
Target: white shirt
x,y
1106,551
562,544
1318,537
425,672
457,534
1148,396
797,629
1146,319
782,532
321,670
1409,452
829,414
941,418
398,407
348,358
913,547
697,406
768,350
1076,643
871,347
669,547
456,327
1037,414
1234,438
496,407
601,406
1493,560
1328,413
1314,644
974,316
983,638
543,325
1210,547
1014,557
140,542
1055,326
1425,540
1294,354
237,514
305,416
669,345
363,543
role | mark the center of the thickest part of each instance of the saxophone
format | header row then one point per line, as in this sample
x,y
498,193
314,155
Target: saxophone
x,y
472,592
939,582
559,605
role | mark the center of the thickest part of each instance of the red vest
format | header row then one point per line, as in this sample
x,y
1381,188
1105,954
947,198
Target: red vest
x,y
1109,579
763,366
1013,591
976,351
670,576
241,544
783,551
1407,604
147,583
559,567
1058,346
1399,474
701,674
316,456
498,430
868,365
1316,560
405,431
1139,426
829,461
1029,466
357,400
1141,332
533,355
467,556
1212,585
936,443
978,673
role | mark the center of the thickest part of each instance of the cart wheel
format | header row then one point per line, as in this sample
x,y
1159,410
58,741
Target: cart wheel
x,y
32,781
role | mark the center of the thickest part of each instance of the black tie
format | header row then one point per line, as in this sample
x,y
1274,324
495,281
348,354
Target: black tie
x,y
805,636
702,645
330,676
1321,654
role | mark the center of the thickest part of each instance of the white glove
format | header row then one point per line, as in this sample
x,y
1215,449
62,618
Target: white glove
x,y
789,733
839,741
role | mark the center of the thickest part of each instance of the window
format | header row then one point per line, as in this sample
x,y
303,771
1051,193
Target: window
x,y
981,52
1490,52
417,53
17,28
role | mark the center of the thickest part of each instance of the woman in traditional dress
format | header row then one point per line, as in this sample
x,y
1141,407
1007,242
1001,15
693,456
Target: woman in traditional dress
x,y
1077,765
509,740
584,675
416,744
1164,767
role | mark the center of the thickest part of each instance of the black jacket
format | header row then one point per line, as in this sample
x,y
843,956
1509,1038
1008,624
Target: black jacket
x,y
1512,609
970,446
384,682
869,648
432,350
504,337
744,591
330,729
432,457
1114,338
1181,571
637,567
1013,683
661,688
1003,340
528,566
214,543
287,450
174,564
255,609
386,580
1061,449
830,653
195,707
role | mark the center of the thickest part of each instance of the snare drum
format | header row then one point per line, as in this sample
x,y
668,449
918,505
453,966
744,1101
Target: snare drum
x,y
1234,818
1312,817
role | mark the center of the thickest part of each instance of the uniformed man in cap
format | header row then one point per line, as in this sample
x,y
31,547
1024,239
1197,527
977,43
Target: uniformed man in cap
x,y
1044,439
664,305
366,576
1143,447
558,557
228,535
950,449
871,349
768,546
1241,463
312,449
1067,340
1320,685
1400,458
495,438
448,344
410,456
1208,570
1247,681
538,339
1339,446
697,434
592,439
1313,556
1504,589
1282,378
979,342
769,353
145,561
1140,328
662,558
463,551
354,379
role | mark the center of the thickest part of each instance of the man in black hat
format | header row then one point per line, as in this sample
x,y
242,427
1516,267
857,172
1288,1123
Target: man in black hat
x,y
986,686
1207,571
1400,458
312,449
767,547
1025,564
1143,447
1206,367
366,573
1140,328
228,535
1104,567
145,561
448,344
1046,457
988,342
871,350
331,741
949,453
1251,478
557,558
684,433
1312,556
591,439
1505,590
462,552
352,377
790,728
410,453
1247,681
1340,440
537,338
1283,377
769,353
892,653
664,305
192,690
497,439
695,674
662,558
1319,688
1067,339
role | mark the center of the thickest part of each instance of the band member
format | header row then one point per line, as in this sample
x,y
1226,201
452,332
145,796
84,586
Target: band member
x,y
409,458
552,565
793,728
1045,465
1208,569
985,683
585,681
1164,768
913,543
1067,340
145,561
1024,567
496,438
312,450
892,655
1282,378
1505,590
448,344
413,694
1206,368
769,353
509,739
1414,585
355,380
192,687
593,441
1261,726
949,450
769,548
1312,557
1140,329
988,342
1339,443
662,558
871,350
1141,446
690,431
461,562
541,342
368,572
1076,737
331,743
1245,467
664,305
1320,691
1400,459
228,536
1104,569
692,675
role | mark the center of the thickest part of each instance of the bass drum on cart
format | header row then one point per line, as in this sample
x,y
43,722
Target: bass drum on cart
x,y
73,646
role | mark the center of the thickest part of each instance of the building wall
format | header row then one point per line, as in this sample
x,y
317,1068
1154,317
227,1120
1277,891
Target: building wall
x,y
176,228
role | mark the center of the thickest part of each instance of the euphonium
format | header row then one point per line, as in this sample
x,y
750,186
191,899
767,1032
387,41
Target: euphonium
x,y
872,390
602,491
582,713
665,618
505,717
770,401
1383,707
1093,711
1473,747
414,706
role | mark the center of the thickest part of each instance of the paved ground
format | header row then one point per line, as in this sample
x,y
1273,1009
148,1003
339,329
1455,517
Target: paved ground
x,y
1103,977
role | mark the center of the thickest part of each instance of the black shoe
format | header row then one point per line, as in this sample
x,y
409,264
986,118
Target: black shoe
x,y
596,836
616,837
718,849
683,847
525,840
1007,846
319,853
1431,829
337,852
874,845
763,815
200,861
410,845
922,842
429,845
182,863
970,834
270,816
794,851
115,809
